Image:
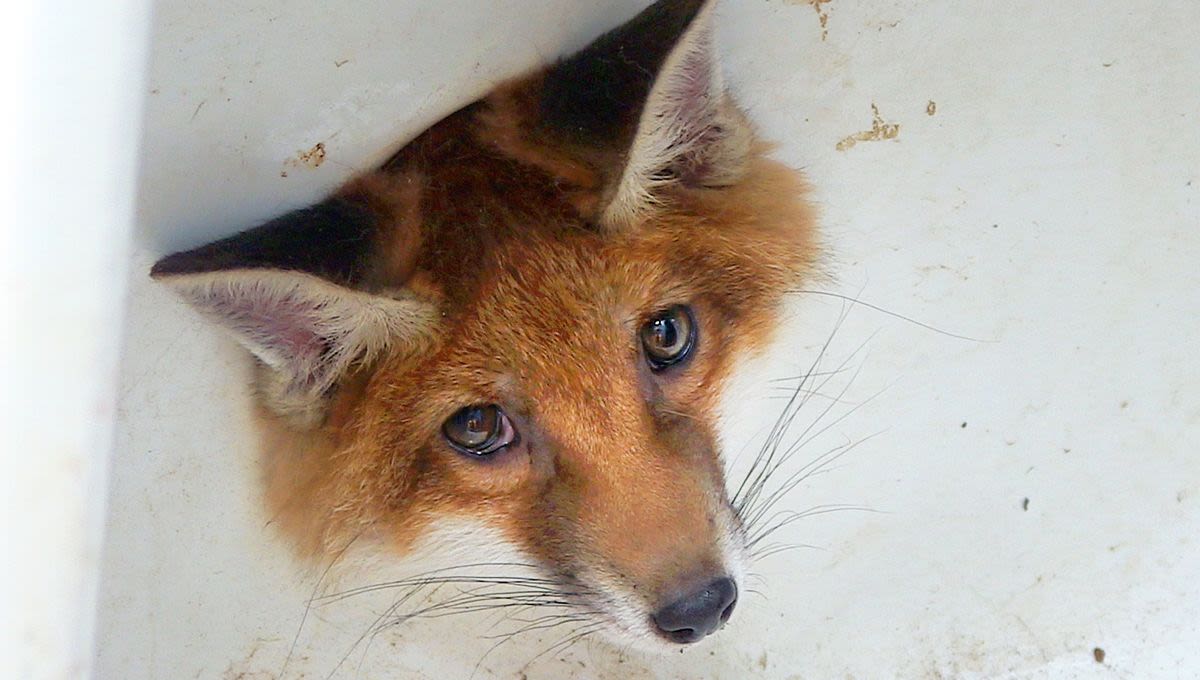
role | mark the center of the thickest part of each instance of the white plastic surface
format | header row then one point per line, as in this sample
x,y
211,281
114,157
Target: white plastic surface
x,y
70,81
1036,489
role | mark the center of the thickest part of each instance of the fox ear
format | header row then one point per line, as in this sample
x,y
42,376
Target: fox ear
x,y
652,87
284,291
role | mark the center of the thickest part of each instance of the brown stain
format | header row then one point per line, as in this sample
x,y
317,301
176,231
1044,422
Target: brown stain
x,y
1098,655
822,16
879,131
314,157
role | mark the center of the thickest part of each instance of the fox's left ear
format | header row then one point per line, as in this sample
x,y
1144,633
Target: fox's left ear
x,y
650,91
303,293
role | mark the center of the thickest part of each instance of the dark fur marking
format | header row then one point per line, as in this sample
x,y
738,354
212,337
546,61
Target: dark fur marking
x,y
596,96
332,239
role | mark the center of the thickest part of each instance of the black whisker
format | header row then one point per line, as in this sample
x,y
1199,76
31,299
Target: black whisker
x,y
784,518
816,466
474,593
308,605
804,376
770,459
770,549
568,641
881,310
754,476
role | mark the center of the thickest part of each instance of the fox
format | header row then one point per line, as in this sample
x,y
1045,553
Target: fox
x,y
523,321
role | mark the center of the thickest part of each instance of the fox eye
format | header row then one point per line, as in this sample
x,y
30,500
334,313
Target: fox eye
x,y
668,338
479,430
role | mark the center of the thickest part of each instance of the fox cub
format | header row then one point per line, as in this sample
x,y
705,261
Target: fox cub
x,y
523,321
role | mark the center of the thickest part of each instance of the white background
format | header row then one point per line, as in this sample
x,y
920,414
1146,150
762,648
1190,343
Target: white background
x,y
1049,210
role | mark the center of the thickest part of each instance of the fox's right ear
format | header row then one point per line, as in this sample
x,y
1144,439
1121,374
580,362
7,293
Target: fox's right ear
x,y
290,292
649,96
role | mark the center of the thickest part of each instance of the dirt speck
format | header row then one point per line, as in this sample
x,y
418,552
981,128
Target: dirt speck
x,y
1098,655
314,157
1124,405
1025,504
283,173
879,131
762,661
931,108
964,425
340,63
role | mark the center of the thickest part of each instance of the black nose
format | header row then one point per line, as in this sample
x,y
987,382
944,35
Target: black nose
x,y
698,613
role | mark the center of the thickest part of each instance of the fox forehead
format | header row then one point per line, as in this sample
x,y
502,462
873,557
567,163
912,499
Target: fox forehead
x,y
549,311
553,329
507,240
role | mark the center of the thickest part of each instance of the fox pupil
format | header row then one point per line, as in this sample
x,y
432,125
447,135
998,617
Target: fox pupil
x,y
665,333
475,422
669,337
474,428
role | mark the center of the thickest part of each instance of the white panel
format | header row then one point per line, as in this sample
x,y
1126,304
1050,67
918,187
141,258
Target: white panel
x,y
72,82
1036,488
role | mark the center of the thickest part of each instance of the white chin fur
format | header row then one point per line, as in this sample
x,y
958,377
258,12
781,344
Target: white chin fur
x,y
464,547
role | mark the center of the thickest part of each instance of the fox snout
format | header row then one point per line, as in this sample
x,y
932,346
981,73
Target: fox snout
x,y
617,464
679,587
663,557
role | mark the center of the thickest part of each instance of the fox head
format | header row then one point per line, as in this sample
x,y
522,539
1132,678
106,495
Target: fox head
x,y
524,319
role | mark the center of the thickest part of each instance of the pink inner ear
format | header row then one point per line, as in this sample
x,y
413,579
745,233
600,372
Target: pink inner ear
x,y
286,328
691,87
689,96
